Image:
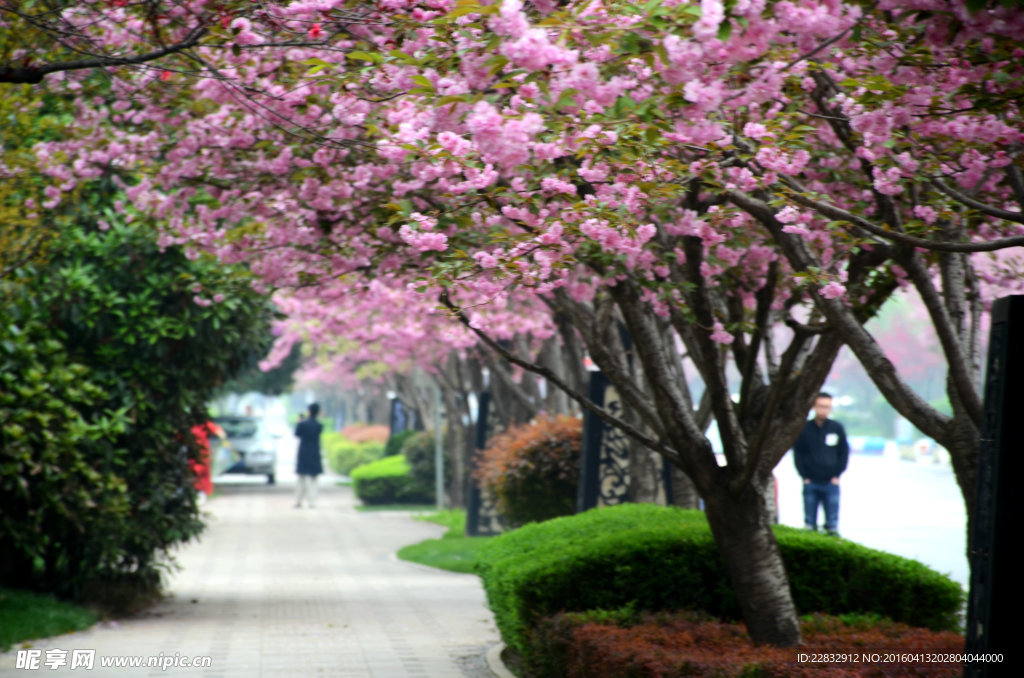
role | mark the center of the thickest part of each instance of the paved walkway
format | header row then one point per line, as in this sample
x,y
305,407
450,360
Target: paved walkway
x,y
275,591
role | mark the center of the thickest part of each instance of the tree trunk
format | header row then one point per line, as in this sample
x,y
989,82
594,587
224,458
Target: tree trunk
x,y
742,528
457,413
963,442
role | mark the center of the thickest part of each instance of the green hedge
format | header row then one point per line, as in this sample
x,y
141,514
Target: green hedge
x,y
395,442
388,481
343,455
419,451
662,558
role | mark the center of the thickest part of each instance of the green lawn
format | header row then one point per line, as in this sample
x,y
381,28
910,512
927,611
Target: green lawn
x,y
25,616
454,551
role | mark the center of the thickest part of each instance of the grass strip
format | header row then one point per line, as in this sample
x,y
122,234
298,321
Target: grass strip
x,y
25,616
454,551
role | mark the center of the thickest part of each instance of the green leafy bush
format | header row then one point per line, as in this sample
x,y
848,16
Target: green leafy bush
x,y
113,361
659,558
52,488
533,470
387,481
395,442
343,455
419,451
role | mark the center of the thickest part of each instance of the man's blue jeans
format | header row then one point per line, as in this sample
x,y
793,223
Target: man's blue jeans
x,y
821,493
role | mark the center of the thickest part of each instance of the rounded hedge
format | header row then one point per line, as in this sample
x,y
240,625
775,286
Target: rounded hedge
x,y
343,454
394,443
388,481
419,450
533,470
664,558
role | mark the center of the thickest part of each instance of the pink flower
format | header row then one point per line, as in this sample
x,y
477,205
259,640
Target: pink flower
x,y
756,130
485,260
554,185
533,51
453,143
833,290
705,96
424,242
645,233
53,197
712,15
928,214
887,182
720,335
511,21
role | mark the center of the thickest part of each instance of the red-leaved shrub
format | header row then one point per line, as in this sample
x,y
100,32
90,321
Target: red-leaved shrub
x,y
671,646
365,433
533,470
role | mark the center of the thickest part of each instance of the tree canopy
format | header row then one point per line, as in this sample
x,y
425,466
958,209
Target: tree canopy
x,y
696,174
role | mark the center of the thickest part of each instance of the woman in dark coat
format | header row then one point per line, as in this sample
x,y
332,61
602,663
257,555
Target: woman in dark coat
x,y
308,465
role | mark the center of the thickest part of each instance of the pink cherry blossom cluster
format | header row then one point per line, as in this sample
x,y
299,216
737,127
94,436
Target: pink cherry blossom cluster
x,y
522,149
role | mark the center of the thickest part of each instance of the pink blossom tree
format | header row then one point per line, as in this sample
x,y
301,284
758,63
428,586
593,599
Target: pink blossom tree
x,y
658,175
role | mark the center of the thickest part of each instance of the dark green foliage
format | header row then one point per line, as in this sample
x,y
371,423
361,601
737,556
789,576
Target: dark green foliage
x,y
395,442
419,451
658,558
52,492
113,363
838,576
388,482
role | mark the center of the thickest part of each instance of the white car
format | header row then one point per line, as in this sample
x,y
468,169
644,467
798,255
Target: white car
x,y
250,447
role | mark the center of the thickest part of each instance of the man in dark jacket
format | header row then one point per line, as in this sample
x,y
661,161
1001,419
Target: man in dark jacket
x,y
821,453
308,465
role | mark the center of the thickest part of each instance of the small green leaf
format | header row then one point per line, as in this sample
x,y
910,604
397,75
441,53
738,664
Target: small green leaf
x,y
423,82
365,56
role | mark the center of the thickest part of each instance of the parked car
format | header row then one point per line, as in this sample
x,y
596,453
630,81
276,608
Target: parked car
x,y
249,447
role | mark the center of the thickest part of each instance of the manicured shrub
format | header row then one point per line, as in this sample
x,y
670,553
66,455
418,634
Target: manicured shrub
x,y
394,443
343,454
418,449
597,645
659,558
533,470
387,481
